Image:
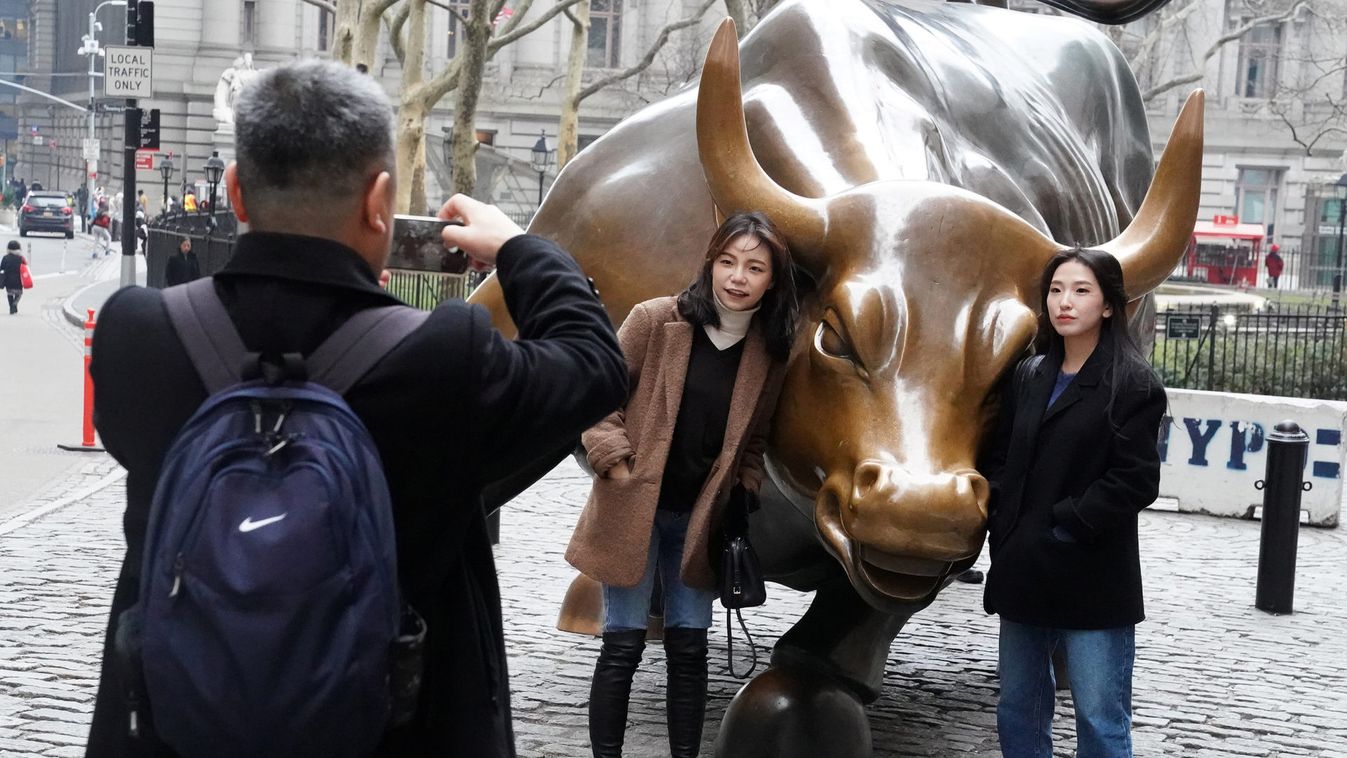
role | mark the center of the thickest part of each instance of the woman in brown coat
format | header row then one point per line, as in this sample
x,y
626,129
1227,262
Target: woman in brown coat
x,y
705,369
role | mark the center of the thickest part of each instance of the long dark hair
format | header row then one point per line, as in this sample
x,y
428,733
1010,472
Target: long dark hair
x,y
780,307
1129,366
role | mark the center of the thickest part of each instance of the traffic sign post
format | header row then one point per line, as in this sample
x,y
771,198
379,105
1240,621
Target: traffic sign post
x,y
128,71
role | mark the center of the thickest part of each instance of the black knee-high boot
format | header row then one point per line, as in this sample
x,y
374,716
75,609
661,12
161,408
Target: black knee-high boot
x,y
611,689
686,690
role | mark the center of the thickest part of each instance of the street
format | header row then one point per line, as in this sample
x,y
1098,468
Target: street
x,y
42,356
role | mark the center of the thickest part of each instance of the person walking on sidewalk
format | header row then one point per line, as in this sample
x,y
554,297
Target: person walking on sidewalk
x,y
1071,464
11,273
102,234
452,408
664,472
182,266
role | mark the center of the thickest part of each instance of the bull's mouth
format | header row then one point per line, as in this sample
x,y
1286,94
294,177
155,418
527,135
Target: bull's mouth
x,y
888,582
900,578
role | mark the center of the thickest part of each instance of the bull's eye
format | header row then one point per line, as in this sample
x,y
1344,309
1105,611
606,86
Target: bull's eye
x,y
829,342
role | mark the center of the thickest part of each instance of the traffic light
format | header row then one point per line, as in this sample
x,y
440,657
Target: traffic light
x,y
145,23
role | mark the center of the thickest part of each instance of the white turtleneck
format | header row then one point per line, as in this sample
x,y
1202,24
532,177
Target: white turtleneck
x,y
733,324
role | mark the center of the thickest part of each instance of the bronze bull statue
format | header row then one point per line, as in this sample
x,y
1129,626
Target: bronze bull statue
x,y
925,160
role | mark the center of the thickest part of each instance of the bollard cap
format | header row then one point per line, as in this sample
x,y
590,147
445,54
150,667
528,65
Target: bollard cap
x,y
1288,431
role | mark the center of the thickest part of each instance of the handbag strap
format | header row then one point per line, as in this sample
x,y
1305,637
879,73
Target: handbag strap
x,y
752,649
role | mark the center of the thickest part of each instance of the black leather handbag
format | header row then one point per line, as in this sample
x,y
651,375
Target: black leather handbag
x,y
741,582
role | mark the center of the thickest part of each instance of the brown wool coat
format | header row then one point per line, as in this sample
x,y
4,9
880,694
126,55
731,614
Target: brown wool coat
x,y
612,538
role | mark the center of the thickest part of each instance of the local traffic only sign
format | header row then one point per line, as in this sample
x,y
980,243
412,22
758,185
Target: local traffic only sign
x,y
128,72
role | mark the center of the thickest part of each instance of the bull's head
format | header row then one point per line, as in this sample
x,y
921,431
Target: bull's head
x,y
927,295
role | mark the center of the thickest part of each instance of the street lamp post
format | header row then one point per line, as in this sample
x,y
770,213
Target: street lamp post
x,y
214,170
542,158
1340,190
92,50
166,171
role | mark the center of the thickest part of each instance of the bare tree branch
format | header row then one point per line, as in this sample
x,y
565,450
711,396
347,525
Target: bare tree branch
x,y
532,26
395,25
650,54
1196,74
327,5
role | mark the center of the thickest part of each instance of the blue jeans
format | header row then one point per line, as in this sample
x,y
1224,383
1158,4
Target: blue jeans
x,y
1099,668
626,608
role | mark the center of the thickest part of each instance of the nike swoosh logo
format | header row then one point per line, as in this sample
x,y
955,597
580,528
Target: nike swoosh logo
x,y
248,524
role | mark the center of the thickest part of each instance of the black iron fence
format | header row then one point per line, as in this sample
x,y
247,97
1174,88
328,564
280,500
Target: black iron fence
x,y
1292,351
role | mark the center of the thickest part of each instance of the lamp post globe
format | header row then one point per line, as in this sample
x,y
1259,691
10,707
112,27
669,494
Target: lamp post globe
x,y
215,167
542,158
166,171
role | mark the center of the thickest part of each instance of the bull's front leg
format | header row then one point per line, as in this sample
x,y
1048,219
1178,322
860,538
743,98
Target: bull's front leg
x,y
811,700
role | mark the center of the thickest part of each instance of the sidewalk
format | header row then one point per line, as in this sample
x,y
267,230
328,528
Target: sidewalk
x,y
1214,677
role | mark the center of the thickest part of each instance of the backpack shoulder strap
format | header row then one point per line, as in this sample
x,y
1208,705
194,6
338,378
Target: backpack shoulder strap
x,y
359,344
213,343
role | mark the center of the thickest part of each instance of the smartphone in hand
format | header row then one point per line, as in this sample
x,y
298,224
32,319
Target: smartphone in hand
x,y
418,246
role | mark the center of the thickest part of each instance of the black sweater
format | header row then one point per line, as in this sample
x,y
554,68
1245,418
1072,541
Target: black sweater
x,y
703,412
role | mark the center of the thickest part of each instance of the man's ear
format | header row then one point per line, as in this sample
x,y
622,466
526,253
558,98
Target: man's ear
x,y
235,191
377,202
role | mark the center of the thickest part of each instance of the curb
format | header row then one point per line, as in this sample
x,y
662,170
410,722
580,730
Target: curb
x,y
68,310
24,519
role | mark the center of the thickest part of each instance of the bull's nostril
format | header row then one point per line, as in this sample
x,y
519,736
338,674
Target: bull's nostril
x,y
867,478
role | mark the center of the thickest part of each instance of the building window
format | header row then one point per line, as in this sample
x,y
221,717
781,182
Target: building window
x,y
325,23
605,34
458,10
485,136
1256,196
1259,54
250,22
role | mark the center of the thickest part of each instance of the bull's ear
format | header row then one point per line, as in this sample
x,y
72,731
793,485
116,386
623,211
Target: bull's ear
x,y
1154,242
735,178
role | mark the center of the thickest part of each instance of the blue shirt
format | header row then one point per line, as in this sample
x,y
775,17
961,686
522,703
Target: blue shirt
x,y
1063,380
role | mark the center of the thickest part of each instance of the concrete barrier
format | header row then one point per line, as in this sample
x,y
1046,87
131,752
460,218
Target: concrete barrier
x,y
1213,450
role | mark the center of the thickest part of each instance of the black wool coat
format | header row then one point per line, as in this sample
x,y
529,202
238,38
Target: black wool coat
x,y
455,406
1070,467
10,267
181,269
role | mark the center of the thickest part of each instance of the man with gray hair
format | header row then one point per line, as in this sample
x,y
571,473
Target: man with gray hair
x,y
453,407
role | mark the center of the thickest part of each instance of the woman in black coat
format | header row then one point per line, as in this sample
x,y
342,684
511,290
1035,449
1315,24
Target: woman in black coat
x,y
11,275
1073,461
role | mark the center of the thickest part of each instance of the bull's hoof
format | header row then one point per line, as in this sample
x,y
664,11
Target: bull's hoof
x,y
790,712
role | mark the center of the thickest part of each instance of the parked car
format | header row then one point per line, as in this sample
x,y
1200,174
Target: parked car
x,y
46,212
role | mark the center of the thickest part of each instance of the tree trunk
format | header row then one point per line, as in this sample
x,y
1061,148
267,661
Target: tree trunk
x,y
463,144
738,10
411,153
348,16
568,137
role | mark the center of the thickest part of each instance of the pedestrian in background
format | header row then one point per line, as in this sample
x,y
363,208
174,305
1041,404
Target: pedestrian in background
x,y
189,201
1072,463
1275,264
182,266
665,472
11,273
102,233
309,264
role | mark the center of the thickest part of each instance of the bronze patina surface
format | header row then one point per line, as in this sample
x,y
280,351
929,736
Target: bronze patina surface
x,y
925,160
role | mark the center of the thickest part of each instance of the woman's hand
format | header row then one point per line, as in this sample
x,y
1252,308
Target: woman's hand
x,y
619,471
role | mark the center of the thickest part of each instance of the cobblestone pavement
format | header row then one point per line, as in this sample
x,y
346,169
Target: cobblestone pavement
x,y
1214,676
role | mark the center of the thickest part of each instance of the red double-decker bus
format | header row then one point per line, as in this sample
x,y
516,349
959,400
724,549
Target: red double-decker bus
x,y
1225,251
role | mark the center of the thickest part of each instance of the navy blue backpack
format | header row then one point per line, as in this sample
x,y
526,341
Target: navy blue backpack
x,y
270,621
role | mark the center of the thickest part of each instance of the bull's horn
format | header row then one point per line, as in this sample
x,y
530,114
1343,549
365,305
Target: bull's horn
x,y
736,180
1153,243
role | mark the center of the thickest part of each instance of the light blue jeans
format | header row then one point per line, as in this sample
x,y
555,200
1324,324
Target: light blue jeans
x,y
626,608
1099,668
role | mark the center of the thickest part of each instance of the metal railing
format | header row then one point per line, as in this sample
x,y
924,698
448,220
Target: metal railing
x,y
1297,351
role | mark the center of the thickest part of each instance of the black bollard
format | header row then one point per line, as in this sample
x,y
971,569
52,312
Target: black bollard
x,y
1282,485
